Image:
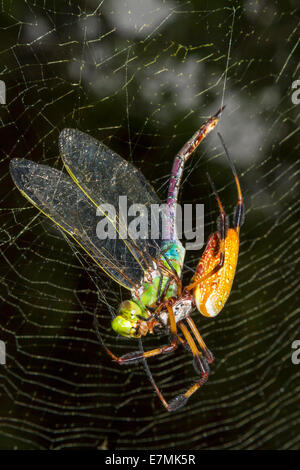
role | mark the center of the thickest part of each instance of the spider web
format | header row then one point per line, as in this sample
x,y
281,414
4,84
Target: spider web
x,y
142,77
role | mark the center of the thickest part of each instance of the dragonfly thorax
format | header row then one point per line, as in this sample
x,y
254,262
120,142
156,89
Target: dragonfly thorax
x,y
159,283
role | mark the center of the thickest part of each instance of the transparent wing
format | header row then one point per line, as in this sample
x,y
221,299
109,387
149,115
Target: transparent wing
x,y
57,197
104,176
101,173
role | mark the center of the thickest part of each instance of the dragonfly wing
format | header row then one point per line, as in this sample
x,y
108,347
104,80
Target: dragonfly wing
x,y
57,197
104,176
102,173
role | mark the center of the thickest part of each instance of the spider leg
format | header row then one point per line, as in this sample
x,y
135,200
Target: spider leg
x,y
238,219
222,225
164,292
201,367
138,355
200,364
207,353
198,279
239,212
180,400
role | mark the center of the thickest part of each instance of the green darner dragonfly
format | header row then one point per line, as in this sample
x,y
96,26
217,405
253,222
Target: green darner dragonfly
x,y
150,269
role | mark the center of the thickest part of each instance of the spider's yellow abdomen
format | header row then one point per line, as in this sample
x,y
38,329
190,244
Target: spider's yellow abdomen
x,y
211,294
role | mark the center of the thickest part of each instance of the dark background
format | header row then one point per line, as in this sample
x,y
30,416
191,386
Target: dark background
x,y
142,77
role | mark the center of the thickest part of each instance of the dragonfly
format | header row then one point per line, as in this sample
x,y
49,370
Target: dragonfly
x,y
150,269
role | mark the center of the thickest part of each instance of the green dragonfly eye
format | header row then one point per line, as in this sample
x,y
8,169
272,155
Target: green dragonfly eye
x,y
126,322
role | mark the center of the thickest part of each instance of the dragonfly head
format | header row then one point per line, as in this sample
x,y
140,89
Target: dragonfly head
x,y
128,321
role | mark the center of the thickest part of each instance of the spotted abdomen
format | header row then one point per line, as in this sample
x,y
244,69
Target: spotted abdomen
x,y
211,293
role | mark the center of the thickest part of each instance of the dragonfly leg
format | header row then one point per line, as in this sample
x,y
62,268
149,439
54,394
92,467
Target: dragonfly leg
x,y
172,272
159,288
164,292
172,275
